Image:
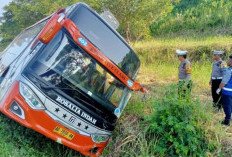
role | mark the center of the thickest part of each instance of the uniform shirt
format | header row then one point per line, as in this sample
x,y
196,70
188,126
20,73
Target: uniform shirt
x,y
185,70
226,76
218,68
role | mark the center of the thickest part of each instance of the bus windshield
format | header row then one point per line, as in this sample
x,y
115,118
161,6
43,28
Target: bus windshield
x,y
106,40
63,62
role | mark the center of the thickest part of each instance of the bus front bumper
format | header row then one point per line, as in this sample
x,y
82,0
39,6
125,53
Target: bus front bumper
x,y
39,121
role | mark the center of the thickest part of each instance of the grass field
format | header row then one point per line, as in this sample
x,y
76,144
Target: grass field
x,y
158,70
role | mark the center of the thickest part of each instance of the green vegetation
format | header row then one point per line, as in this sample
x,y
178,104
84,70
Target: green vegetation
x,y
17,141
136,16
167,126
180,126
195,19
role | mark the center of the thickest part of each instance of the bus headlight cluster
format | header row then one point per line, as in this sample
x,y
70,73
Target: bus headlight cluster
x,y
30,97
100,138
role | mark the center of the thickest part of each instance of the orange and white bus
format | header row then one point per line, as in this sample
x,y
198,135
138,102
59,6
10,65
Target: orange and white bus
x,y
69,77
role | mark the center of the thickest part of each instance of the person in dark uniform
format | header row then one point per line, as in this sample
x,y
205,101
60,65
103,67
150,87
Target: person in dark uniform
x,y
219,66
185,83
226,87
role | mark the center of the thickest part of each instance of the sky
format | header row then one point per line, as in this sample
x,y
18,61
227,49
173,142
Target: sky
x,y
2,4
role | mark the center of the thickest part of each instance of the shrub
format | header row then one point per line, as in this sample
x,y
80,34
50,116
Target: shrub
x,y
179,126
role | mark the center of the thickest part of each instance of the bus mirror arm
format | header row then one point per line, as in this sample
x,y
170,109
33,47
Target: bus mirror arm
x,y
137,87
143,90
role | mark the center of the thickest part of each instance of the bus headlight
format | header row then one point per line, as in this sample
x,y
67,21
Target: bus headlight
x,y
100,138
30,97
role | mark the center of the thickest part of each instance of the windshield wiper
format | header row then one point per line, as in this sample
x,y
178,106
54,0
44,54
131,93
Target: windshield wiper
x,y
39,82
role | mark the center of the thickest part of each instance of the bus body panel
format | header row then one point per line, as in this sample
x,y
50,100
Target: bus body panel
x,y
42,123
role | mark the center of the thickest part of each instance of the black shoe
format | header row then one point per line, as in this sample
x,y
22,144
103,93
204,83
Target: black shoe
x,y
226,122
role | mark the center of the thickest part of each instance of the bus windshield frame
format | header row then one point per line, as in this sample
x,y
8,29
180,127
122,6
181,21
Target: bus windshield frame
x,y
83,64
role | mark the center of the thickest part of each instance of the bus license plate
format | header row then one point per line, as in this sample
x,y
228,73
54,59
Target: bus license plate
x,y
63,133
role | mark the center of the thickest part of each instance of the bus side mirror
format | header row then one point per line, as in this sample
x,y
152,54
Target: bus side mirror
x,y
143,90
52,27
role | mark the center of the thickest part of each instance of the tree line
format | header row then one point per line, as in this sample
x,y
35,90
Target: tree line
x,y
202,17
135,16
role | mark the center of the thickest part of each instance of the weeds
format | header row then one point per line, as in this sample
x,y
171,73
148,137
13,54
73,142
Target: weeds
x,y
180,126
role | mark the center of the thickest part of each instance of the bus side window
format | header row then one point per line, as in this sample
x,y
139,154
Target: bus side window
x,y
20,43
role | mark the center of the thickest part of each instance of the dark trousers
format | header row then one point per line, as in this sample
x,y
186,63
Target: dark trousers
x,y
217,101
227,102
184,88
